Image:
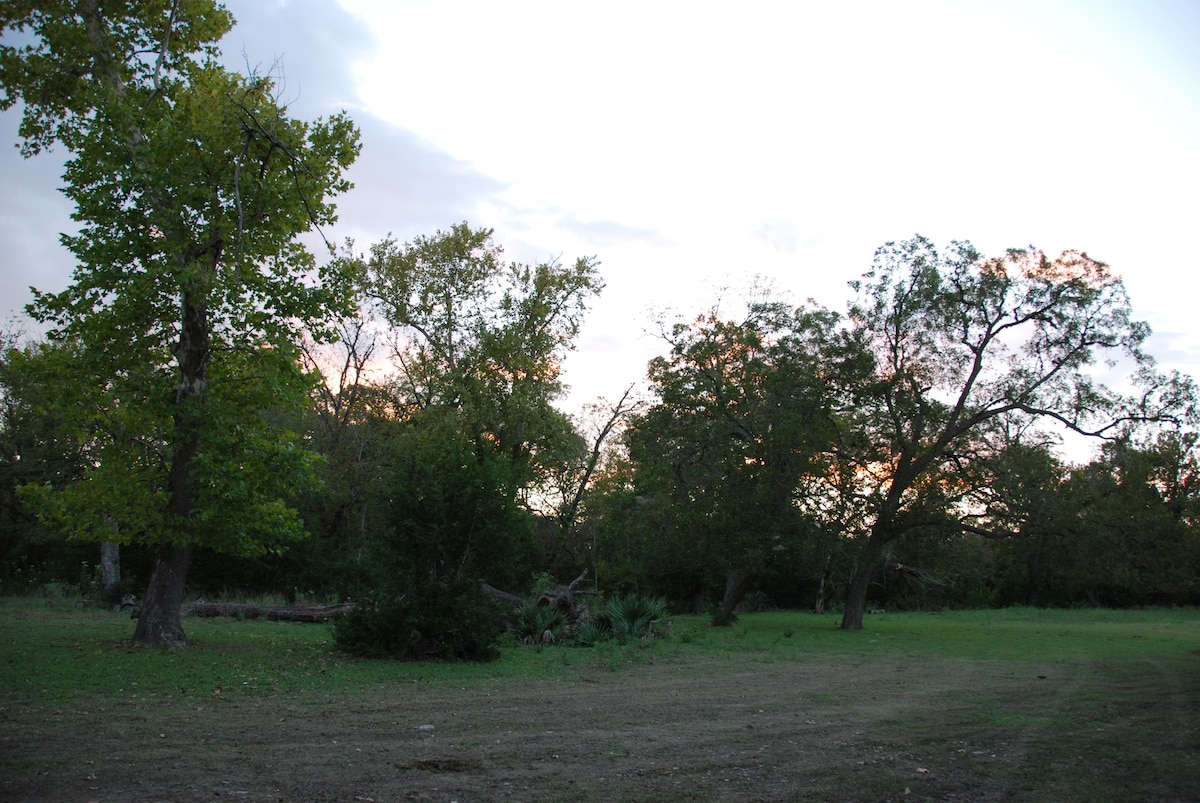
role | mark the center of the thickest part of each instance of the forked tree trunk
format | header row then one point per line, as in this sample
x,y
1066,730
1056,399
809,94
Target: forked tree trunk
x,y
860,584
737,583
160,623
856,597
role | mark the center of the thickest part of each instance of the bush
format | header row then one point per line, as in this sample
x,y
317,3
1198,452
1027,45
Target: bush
x,y
589,634
532,622
429,622
632,616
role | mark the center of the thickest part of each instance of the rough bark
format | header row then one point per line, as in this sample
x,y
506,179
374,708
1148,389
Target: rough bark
x,y
564,598
737,583
860,584
110,572
159,623
856,597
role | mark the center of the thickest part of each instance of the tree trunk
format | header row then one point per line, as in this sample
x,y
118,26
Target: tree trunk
x,y
160,623
860,584
110,572
502,598
819,605
737,583
856,597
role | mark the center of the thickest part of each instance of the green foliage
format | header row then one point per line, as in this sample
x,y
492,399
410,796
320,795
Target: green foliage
x,y
589,634
967,351
38,446
482,338
626,618
452,522
191,186
1118,531
632,616
478,369
249,466
63,74
723,463
449,621
451,511
532,622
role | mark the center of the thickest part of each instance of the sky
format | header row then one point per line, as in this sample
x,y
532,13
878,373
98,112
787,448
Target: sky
x,y
695,149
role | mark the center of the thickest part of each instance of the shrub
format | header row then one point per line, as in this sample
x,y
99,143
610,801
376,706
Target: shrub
x,y
632,616
430,621
532,622
589,634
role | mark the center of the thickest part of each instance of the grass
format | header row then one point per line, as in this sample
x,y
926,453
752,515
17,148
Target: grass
x,y
57,654
1049,704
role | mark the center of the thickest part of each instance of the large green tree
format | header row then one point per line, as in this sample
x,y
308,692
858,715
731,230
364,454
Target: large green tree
x,y
961,342
191,185
478,347
745,414
481,336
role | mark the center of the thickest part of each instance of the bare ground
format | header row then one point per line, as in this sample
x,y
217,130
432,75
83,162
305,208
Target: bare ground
x,y
888,729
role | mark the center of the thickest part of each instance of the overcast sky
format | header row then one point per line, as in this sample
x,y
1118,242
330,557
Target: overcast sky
x,y
690,146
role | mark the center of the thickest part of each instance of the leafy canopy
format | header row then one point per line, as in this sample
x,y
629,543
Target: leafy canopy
x,y
175,340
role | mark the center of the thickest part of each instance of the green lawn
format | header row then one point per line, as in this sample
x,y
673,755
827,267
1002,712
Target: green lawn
x,y
1016,704
56,654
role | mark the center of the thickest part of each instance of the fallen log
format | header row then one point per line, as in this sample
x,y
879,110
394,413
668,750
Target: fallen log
x,y
273,613
566,600
502,598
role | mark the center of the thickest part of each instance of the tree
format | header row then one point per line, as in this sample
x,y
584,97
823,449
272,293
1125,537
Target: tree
x,y
353,424
1130,536
478,349
960,342
482,340
452,522
39,444
191,185
479,336
567,475
745,412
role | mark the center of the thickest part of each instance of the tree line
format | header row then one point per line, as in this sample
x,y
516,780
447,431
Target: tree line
x,y
381,424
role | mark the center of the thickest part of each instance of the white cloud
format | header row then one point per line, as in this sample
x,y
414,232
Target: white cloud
x,y
691,146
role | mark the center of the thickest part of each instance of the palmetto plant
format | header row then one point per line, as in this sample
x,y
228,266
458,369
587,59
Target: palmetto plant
x,y
633,616
589,634
532,623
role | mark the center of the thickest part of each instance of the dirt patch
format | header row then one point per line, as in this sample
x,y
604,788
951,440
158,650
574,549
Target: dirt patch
x,y
889,729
